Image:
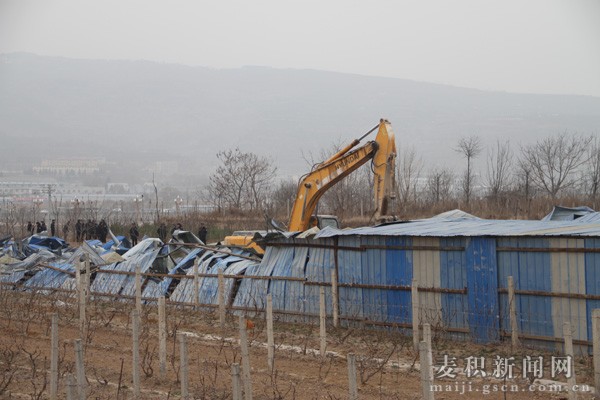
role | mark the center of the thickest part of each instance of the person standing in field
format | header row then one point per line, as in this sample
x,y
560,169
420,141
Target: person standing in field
x,y
134,233
102,231
202,232
79,230
162,232
66,229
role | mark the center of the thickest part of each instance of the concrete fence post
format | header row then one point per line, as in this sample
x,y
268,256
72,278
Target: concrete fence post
x,y
415,313
270,338
235,381
138,289
135,322
81,380
196,286
427,339
222,305
572,381
335,299
596,351
322,322
426,376
162,337
352,388
71,388
245,359
81,291
54,358
183,357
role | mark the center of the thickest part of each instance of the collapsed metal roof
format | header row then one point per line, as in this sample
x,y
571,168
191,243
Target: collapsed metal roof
x,y
48,269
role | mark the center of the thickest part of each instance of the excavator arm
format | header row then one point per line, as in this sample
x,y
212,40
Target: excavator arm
x,y
314,184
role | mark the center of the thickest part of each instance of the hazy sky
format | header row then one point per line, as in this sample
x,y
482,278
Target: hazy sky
x,y
541,46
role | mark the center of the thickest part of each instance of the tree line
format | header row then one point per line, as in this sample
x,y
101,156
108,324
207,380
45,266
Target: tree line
x,y
516,181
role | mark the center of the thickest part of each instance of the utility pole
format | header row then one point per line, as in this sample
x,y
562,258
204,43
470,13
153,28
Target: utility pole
x,y
49,189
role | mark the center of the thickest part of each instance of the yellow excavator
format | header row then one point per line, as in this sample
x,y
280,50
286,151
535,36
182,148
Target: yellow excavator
x,y
312,186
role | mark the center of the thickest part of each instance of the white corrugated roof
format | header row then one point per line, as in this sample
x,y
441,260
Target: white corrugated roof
x,y
456,224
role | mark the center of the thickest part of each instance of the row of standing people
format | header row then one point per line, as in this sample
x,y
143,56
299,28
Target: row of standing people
x,y
83,230
134,232
39,227
88,230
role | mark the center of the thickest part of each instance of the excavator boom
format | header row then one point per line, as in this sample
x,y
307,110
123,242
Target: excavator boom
x,y
314,184
382,152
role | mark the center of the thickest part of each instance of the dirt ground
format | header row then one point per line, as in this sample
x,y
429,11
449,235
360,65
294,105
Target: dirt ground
x,y
387,366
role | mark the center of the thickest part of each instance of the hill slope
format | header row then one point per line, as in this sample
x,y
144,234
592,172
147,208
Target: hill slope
x,y
151,111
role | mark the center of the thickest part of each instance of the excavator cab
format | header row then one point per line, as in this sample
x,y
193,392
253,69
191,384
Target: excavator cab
x,y
323,221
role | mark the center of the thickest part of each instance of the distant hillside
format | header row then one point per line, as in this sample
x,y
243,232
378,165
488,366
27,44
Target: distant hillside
x,y
148,111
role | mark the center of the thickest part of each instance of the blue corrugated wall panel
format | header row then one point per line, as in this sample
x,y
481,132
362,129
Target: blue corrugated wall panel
x,y
592,280
399,271
318,269
453,275
294,298
531,271
373,266
209,289
280,261
253,292
184,291
350,271
482,285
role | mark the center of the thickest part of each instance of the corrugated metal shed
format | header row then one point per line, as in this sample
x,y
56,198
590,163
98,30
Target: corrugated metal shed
x,y
461,264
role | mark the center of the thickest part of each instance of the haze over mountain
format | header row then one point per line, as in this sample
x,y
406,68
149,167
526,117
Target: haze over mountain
x,y
145,111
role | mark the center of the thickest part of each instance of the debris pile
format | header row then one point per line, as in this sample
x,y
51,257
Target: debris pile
x,y
49,263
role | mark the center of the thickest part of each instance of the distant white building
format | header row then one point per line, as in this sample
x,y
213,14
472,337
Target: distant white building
x,y
67,166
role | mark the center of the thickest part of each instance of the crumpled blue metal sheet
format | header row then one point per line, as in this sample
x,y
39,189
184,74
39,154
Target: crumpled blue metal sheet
x,y
50,278
143,247
145,262
253,292
31,261
51,243
122,284
143,255
209,291
13,277
110,283
560,213
155,289
93,255
183,292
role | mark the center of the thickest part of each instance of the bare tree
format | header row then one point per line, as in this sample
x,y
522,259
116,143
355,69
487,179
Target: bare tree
x,y
553,161
261,173
470,147
409,172
439,185
241,179
592,173
498,168
283,197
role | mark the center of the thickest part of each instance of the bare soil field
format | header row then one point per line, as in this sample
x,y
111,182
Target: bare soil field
x,y
387,365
